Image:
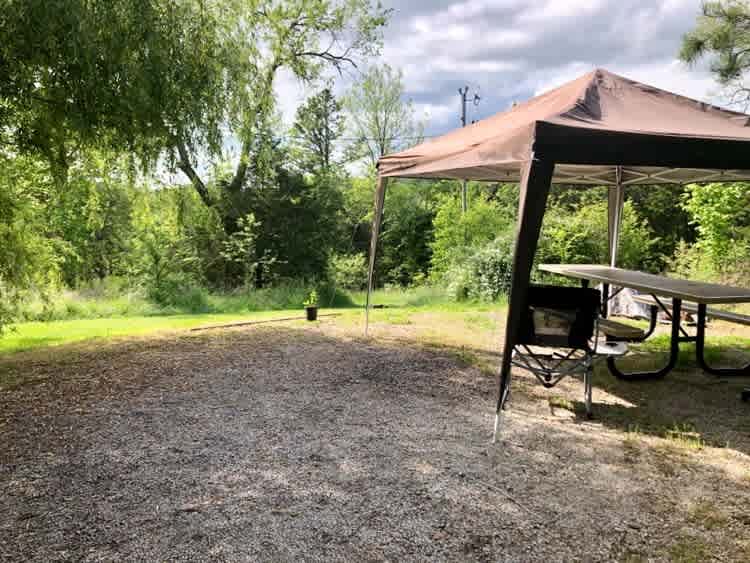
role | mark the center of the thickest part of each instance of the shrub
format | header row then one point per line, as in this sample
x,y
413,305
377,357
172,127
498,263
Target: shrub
x,y
492,270
348,271
180,292
458,234
580,237
485,276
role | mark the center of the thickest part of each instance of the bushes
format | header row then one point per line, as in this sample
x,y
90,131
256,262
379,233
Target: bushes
x,y
568,236
721,213
486,274
179,291
459,235
348,271
114,298
580,236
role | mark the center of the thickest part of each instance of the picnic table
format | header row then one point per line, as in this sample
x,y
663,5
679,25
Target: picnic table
x,y
667,294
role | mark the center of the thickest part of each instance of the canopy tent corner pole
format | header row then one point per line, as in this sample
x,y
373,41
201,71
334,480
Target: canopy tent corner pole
x,y
536,179
615,204
376,221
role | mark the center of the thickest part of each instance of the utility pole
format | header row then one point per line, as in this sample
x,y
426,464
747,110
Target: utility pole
x,y
463,92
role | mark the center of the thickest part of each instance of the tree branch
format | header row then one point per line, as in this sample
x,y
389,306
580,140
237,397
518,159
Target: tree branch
x,y
189,171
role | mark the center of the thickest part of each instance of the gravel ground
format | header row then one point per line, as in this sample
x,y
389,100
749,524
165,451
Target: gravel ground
x,y
287,444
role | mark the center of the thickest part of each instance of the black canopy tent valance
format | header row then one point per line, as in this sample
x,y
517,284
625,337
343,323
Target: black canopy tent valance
x,y
601,129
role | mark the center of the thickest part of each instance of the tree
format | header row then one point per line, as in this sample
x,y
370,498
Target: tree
x,y
381,121
580,236
303,36
459,235
721,216
318,126
28,257
722,32
170,76
135,75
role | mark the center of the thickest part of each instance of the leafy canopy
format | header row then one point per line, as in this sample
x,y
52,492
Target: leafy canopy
x,y
380,120
164,75
722,33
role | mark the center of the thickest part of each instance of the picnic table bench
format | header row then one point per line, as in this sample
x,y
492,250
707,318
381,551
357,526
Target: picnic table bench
x,y
693,308
620,331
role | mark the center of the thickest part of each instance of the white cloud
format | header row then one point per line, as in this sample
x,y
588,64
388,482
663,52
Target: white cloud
x,y
510,50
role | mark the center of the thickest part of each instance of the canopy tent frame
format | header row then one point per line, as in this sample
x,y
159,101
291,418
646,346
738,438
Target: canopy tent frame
x,y
552,146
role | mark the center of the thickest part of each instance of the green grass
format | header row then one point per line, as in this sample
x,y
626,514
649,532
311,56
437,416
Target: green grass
x,y
114,298
102,313
427,297
688,550
561,403
685,436
27,336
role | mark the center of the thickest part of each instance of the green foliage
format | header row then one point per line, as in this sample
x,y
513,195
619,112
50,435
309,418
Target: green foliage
x,y
318,125
721,215
29,260
485,276
298,225
91,213
378,117
661,207
311,300
117,297
458,235
131,74
348,271
722,32
581,237
404,249
164,74
239,247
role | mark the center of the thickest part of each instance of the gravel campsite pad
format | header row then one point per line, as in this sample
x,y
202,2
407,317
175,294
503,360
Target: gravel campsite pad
x,y
287,444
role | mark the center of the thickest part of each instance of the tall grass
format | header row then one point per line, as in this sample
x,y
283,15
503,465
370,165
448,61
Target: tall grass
x,y
113,298
429,296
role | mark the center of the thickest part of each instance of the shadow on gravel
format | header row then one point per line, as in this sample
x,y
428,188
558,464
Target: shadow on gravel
x,y
282,445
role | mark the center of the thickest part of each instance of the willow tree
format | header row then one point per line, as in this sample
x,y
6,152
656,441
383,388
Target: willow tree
x,y
165,77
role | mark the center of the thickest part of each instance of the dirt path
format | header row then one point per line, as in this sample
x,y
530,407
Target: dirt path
x,y
282,444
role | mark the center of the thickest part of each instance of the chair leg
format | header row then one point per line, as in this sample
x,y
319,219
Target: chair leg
x,y
587,389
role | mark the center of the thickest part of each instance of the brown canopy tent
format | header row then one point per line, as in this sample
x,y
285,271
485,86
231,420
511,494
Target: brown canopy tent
x,y
600,129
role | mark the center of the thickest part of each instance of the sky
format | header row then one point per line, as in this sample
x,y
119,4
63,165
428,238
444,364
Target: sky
x,y
512,50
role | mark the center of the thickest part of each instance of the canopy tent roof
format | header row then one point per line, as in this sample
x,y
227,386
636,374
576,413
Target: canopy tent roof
x,y
599,117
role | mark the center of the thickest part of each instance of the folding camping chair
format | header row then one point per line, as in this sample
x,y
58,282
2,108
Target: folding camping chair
x,y
559,336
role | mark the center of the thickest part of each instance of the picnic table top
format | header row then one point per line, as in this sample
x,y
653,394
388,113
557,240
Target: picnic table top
x,y
699,292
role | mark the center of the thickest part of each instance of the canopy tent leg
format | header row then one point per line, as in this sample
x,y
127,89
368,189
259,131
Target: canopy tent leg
x,y
376,220
536,178
615,203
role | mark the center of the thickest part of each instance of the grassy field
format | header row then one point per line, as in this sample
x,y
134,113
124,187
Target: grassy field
x,y
109,318
423,314
27,336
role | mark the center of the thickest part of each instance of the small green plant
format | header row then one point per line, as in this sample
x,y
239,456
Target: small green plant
x,y
561,403
685,436
312,299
